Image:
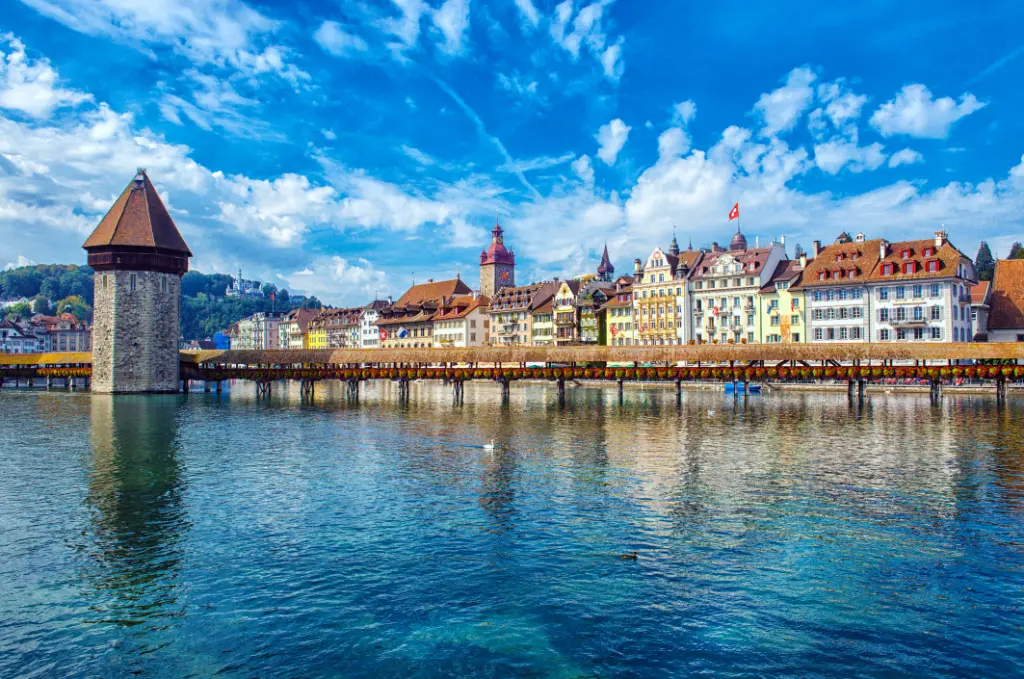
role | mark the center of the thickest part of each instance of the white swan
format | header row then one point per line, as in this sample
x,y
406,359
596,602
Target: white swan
x,y
711,413
489,446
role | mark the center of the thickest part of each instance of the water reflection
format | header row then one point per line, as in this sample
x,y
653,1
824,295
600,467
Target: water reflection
x,y
135,491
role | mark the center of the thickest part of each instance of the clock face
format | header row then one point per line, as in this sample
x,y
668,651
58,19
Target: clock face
x,y
504,275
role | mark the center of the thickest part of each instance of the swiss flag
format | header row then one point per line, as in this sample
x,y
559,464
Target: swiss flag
x,y
734,213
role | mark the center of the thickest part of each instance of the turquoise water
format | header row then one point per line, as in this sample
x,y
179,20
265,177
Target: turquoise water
x,y
788,536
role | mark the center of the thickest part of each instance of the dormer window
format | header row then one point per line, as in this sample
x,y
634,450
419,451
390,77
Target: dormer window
x,y
909,267
933,266
839,257
851,273
822,275
855,255
905,254
929,252
887,269
836,275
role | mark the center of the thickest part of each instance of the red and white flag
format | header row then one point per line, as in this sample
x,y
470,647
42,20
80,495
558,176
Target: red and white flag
x,y
734,213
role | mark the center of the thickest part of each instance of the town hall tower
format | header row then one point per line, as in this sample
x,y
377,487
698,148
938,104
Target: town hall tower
x,y
497,265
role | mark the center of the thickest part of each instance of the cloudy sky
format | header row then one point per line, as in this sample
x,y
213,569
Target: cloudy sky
x,y
343,148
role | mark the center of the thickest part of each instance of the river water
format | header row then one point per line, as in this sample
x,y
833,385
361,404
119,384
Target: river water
x,y
782,536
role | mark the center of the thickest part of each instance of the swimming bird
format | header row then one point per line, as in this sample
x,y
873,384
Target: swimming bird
x,y
489,446
711,413
630,556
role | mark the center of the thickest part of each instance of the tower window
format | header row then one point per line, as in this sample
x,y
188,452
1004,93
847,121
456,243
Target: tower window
x,y
104,281
131,283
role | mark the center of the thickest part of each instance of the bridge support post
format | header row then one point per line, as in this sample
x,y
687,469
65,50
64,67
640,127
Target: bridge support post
x,y
620,392
849,390
561,391
861,388
679,392
505,390
307,389
458,391
206,386
1000,389
220,386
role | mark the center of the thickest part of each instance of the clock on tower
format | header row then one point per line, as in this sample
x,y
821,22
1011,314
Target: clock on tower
x,y
497,265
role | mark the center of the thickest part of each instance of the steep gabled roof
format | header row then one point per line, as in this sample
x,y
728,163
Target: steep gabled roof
x,y
947,255
840,258
1007,297
138,219
433,292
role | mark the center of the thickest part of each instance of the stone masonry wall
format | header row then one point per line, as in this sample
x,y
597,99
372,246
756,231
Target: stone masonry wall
x,y
135,332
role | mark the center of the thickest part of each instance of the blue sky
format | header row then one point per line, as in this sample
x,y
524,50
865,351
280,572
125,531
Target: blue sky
x,y
346,148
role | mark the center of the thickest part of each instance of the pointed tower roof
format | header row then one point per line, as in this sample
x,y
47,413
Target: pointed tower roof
x,y
138,219
605,268
674,248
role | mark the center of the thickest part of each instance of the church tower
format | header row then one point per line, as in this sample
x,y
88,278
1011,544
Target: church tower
x,y
139,258
497,265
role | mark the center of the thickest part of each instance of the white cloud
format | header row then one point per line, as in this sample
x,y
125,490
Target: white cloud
x,y
20,262
611,137
329,135
539,163
531,17
837,153
780,109
337,41
520,85
586,30
406,26
673,142
584,169
913,112
905,157
417,155
452,19
225,33
340,281
684,112
33,87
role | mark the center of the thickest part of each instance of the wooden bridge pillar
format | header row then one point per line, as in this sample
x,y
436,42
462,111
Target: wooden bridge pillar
x,y
620,392
561,391
458,391
307,389
505,390
206,386
220,386
679,392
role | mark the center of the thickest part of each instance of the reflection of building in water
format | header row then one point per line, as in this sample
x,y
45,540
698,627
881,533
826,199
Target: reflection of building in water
x,y
135,496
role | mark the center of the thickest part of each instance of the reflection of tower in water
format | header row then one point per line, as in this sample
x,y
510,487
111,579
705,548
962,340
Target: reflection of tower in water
x,y
135,499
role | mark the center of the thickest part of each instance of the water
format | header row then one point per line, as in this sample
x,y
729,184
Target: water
x,y
793,536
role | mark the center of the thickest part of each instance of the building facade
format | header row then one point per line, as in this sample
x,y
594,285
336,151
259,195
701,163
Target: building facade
x,y
920,291
542,324
781,305
661,297
566,313
139,258
369,337
462,322
835,287
980,307
725,287
408,323
16,339
620,317
293,329
261,331
511,313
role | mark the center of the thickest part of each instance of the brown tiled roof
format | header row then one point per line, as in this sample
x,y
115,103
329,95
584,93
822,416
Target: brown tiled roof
x,y
461,306
138,219
788,270
757,255
860,257
1007,300
949,259
979,293
302,317
435,292
546,308
522,296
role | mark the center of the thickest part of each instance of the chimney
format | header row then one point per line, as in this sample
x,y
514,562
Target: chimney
x,y
803,260
782,240
940,238
883,249
816,249
637,267
859,238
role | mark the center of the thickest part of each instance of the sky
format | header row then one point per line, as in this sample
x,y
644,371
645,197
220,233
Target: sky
x,y
348,149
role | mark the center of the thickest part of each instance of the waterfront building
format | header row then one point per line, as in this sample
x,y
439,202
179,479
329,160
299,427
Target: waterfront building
x,y
64,332
1006,318
567,322
369,334
316,333
408,323
920,291
724,286
661,298
294,328
980,306
835,290
511,312
139,258
542,324
16,339
781,304
620,315
462,321
497,265
336,329
261,331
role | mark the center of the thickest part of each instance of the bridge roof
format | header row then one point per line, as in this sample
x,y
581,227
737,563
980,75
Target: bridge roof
x,y
67,358
138,219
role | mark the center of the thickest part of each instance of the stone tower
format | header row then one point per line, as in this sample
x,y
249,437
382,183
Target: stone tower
x,y
139,258
497,265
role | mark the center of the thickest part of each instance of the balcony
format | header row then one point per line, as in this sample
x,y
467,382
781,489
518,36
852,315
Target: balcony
x,y
908,322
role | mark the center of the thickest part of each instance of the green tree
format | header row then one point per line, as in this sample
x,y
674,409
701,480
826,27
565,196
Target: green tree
x,y
283,296
77,306
51,288
269,289
1016,251
41,305
20,311
985,263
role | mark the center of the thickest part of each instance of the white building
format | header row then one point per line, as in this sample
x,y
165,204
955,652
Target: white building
x,y
242,288
15,339
462,322
369,337
921,292
259,331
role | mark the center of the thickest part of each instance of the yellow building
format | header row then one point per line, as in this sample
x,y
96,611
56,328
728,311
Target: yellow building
x,y
316,336
782,308
620,318
543,325
661,296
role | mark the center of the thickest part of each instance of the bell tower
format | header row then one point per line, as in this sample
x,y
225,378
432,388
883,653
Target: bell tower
x,y
139,258
497,264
